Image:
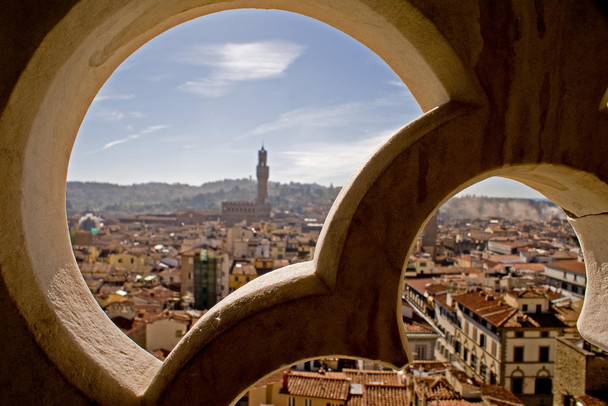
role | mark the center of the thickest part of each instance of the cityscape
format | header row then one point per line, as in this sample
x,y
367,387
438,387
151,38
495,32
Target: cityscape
x,y
490,297
304,203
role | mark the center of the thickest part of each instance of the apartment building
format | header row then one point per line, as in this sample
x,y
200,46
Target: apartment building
x,y
501,339
569,275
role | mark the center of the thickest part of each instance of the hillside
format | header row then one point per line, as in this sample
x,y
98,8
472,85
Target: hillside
x,y
472,207
162,197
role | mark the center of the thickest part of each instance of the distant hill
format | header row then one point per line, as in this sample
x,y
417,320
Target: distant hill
x,y
472,207
163,197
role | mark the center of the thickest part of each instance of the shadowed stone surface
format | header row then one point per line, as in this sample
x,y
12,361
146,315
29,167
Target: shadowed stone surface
x,y
509,88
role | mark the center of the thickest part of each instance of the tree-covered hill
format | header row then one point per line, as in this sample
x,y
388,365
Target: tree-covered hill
x,y
162,197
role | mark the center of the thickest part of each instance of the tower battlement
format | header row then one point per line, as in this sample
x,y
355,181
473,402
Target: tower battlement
x,y
233,212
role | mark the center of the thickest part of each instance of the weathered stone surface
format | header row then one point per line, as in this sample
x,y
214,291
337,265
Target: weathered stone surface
x,y
510,88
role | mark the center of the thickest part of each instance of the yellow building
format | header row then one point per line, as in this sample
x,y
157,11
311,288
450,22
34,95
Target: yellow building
x,y
240,274
126,260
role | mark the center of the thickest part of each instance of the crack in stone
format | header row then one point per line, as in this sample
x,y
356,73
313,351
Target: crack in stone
x,y
574,216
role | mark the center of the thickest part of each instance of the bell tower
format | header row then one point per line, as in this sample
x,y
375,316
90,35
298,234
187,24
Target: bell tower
x,y
262,173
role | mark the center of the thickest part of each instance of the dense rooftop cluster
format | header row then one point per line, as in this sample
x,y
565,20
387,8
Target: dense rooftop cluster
x,y
484,301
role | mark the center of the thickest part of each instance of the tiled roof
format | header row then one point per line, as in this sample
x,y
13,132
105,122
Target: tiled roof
x,y
520,319
366,376
564,255
566,314
442,299
571,265
415,327
385,395
436,288
528,293
451,403
588,400
356,400
495,394
430,366
241,268
436,388
489,307
419,284
333,386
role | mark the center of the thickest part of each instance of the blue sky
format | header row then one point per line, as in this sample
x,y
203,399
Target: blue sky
x,y
195,104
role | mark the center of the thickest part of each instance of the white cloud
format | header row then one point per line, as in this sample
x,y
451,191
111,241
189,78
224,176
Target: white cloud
x,y
332,116
330,160
115,115
397,83
153,128
111,144
147,130
231,63
113,96
206,87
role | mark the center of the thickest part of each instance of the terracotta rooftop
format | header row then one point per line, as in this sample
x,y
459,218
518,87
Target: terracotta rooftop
x,y
157,294
436,288
436,388
177,315
566,314
564,255
520,319
490,307
334,386
451,403
241,268
367,376
528,293
415,327
504,258
499,395
429,367
420,284
571,265
385,395
357,400
443,300
588,400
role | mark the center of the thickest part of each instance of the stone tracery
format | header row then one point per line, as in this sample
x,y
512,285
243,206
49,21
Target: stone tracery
x,y
502,110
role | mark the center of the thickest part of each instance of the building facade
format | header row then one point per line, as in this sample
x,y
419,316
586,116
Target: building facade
x,y
569,275
234,212
506,340
581,373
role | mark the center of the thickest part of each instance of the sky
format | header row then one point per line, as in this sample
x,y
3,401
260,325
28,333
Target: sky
x,y
195,104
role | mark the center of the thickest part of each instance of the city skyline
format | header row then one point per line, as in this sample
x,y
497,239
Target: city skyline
x,y
191,105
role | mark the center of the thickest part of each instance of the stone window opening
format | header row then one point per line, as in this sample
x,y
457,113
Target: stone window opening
x,y
542,383
518,354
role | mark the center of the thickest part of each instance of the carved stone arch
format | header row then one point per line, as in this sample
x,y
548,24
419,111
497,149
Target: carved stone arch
x,y
543,373
46,106
516,93
517,372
